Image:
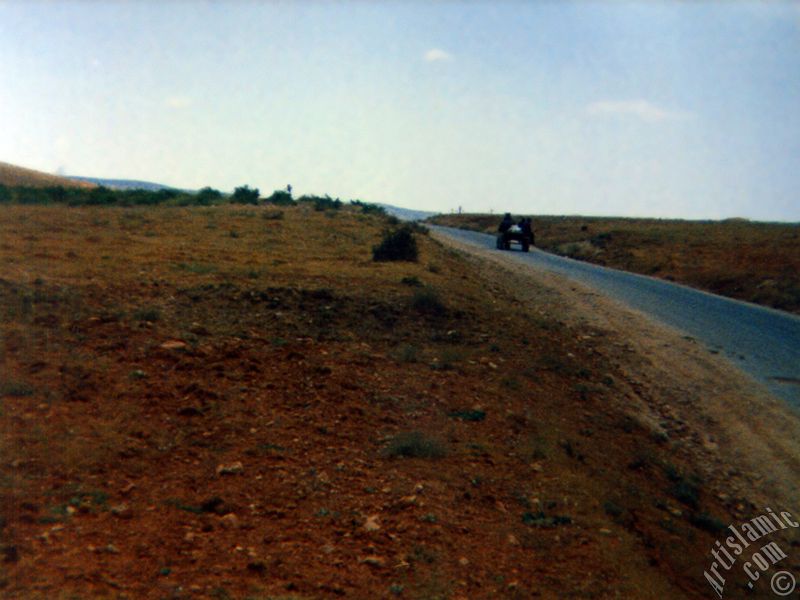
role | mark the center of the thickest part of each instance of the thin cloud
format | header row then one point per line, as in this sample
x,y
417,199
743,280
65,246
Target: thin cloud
x,y
437,55
642,109
178,102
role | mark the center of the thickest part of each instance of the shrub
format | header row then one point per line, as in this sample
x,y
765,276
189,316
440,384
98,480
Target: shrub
x,y
245,195
100,196
15,388
207,196
613,509
707,522
27,195
5,194
322,202
407,353
281,198
368,209
147,314
415,444
473,415
538,519
57,193
427,301
685,489
397,244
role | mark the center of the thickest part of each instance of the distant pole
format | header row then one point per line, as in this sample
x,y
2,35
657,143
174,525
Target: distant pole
x,y
289,189
459,210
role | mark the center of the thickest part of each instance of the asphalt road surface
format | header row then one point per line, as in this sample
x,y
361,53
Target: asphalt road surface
x,y
763,342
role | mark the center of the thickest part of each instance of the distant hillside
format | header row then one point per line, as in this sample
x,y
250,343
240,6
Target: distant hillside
x,y
124,184
12,175
406,214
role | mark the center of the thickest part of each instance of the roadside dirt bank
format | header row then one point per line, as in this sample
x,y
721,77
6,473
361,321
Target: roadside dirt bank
x,y
744,439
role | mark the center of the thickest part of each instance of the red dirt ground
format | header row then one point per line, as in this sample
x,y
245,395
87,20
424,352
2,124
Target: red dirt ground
x,y
209,403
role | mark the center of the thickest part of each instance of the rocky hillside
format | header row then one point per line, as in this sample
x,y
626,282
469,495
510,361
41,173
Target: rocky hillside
x,y
231,402
12,175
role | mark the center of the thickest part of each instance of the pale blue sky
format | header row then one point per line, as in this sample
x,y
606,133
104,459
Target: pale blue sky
x,y
643,109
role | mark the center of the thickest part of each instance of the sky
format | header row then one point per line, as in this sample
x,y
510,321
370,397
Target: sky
x,y
661,109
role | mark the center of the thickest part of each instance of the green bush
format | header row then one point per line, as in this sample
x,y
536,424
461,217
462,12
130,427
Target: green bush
x,y
397,244
707,522
207,196
415,444
468,415
245,195
368,209
5,194
412,281
427,301
15,388
147,314
280,198
101,196
685,488
29,195
321,202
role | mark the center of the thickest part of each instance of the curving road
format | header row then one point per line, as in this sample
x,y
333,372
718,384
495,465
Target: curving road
x,y
763,342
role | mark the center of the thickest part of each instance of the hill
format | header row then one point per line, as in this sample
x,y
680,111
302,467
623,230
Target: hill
x,y
406,214
12,175
123,184
238,402
746,260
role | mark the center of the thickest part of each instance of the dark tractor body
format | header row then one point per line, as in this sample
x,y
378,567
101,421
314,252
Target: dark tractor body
x,y
515,234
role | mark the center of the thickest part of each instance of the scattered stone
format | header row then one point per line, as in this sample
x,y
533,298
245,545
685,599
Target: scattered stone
x,y
512,539
230,521
127,489
173,345
372,524
231,469
463,561
122,511
109,549
374,561
605,531
676,512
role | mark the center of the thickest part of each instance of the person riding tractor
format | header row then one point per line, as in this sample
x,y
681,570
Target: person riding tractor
x,y
508,232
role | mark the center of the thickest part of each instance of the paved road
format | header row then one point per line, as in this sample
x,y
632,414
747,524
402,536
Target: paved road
x,y
765,343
